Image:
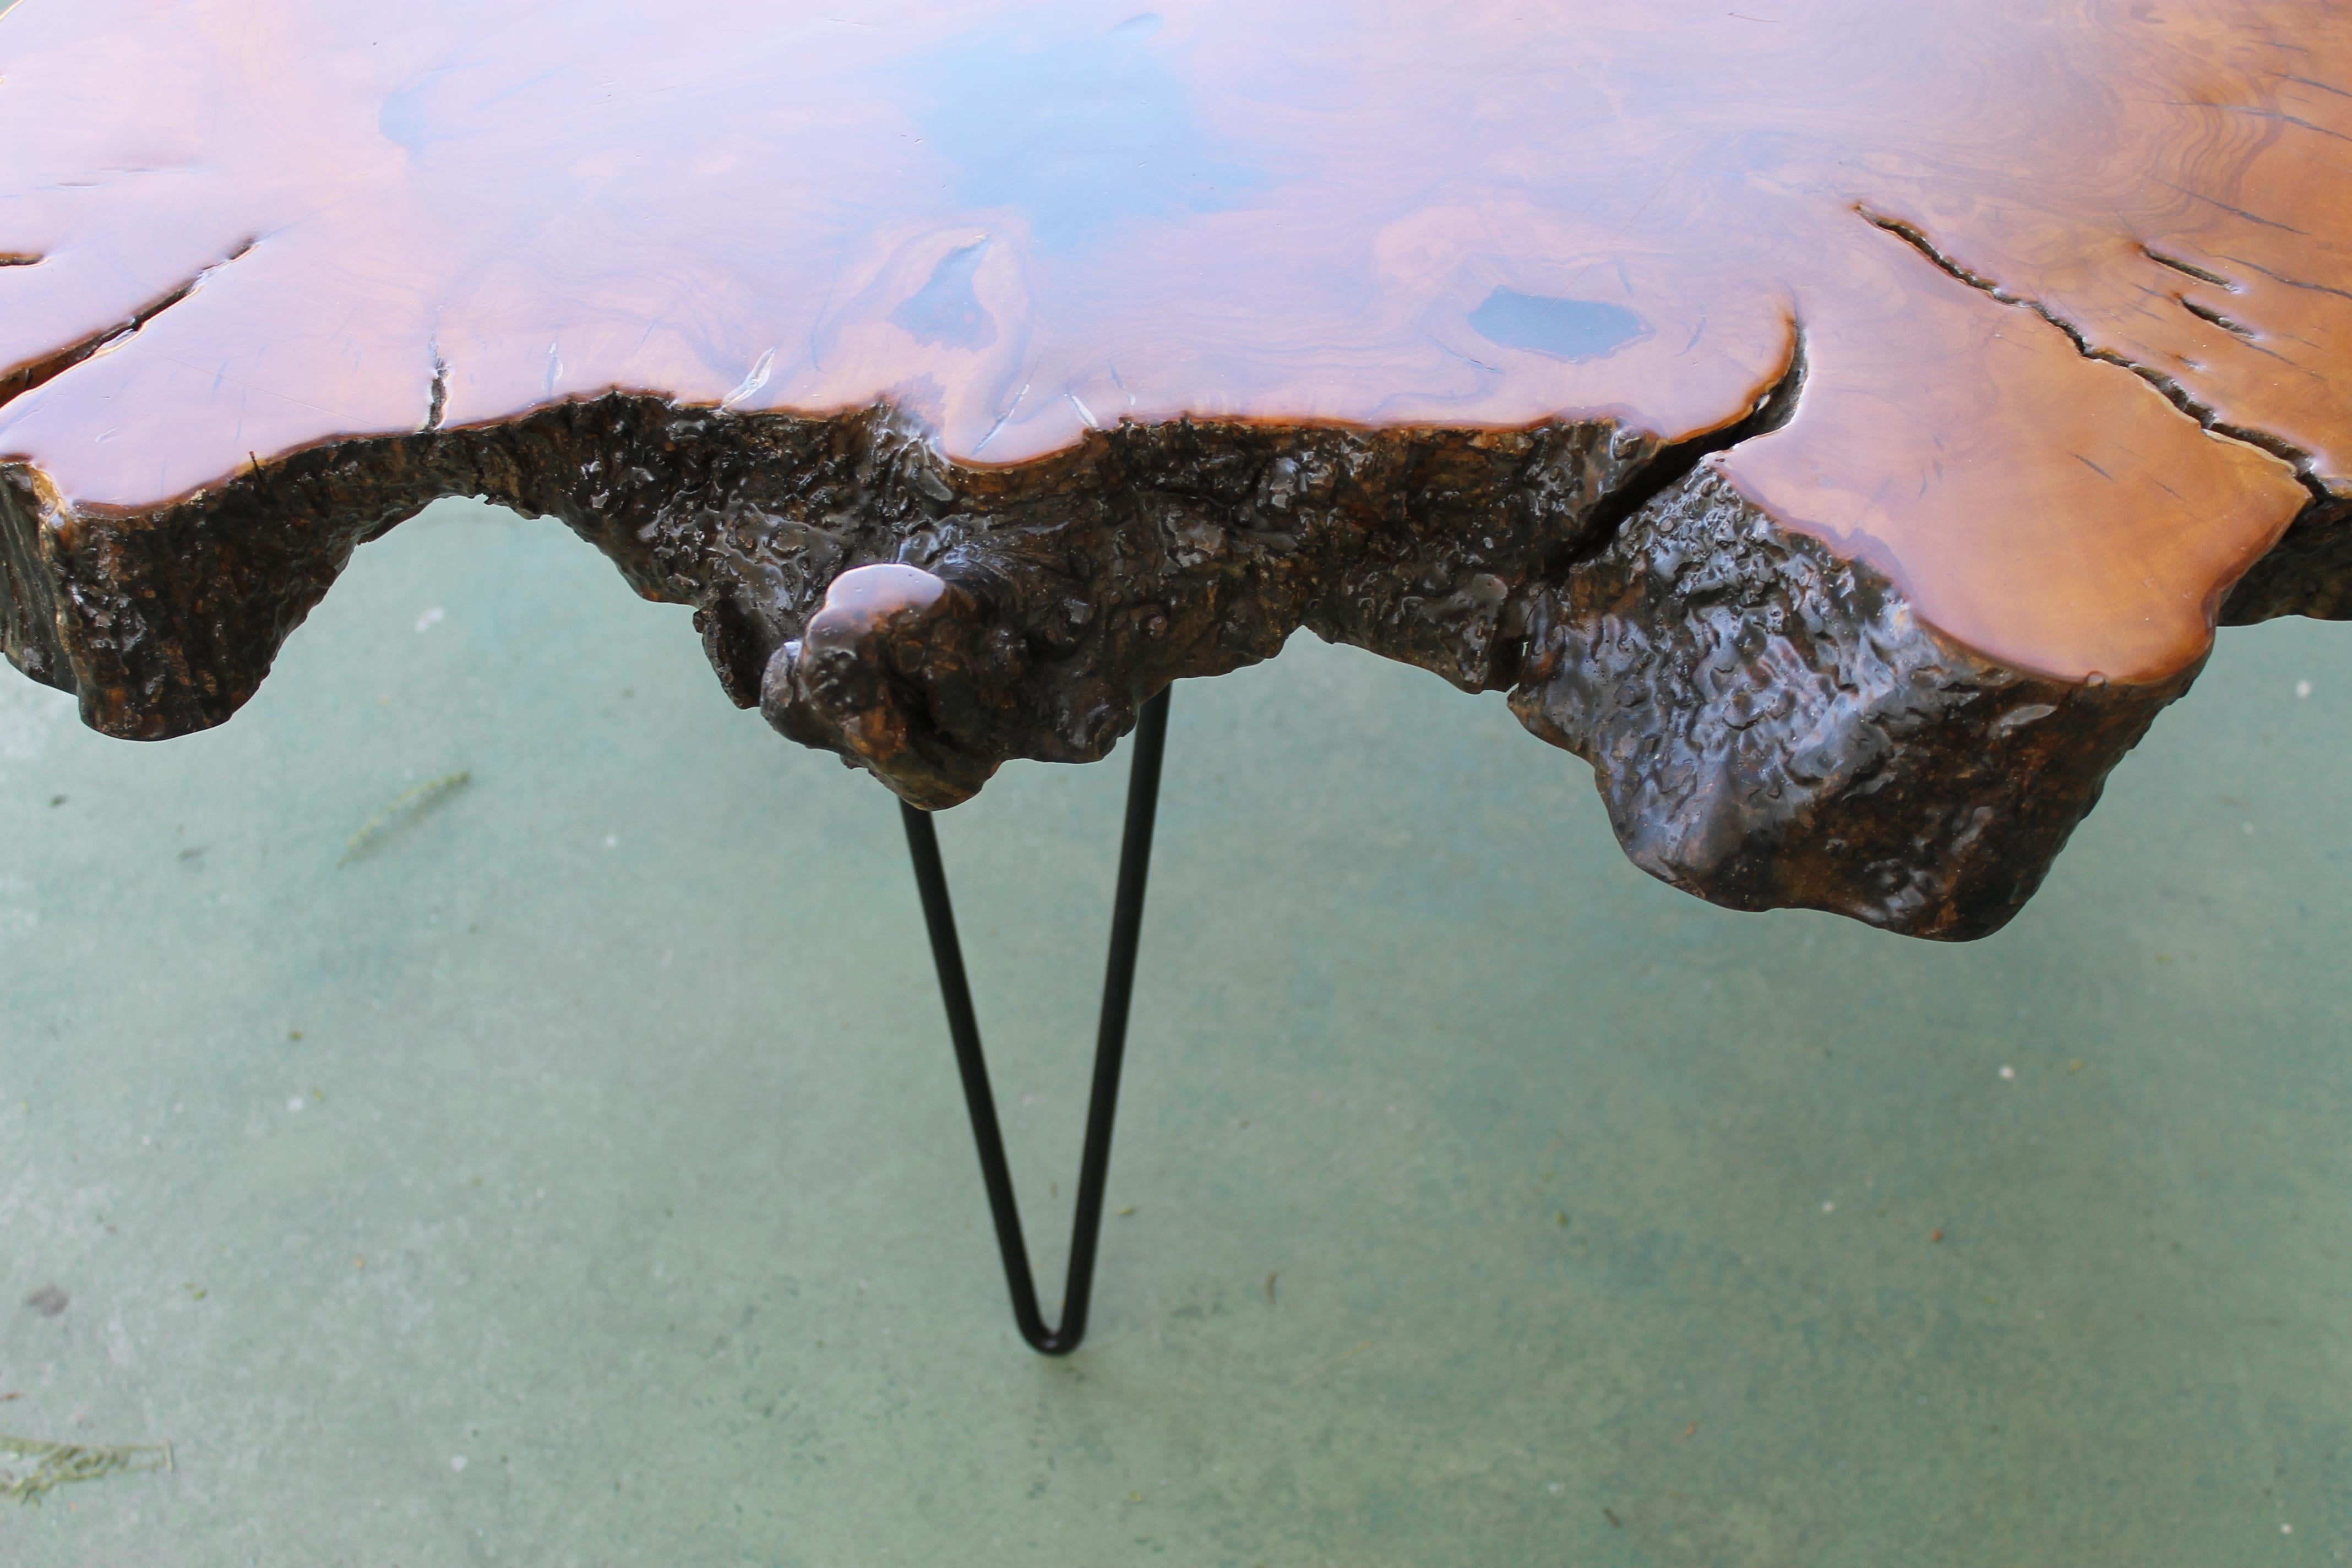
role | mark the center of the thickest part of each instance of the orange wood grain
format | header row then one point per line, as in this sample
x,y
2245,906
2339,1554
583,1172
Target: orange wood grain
x,y
2071,277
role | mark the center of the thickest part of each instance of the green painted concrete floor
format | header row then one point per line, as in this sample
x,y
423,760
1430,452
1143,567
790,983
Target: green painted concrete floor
x,y
575,1173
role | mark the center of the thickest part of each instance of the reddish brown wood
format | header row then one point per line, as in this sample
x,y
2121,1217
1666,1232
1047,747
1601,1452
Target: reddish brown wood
x,y
2054,297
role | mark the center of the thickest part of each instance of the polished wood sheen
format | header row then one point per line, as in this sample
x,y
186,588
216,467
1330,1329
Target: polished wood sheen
x,y
2066,280
1841,422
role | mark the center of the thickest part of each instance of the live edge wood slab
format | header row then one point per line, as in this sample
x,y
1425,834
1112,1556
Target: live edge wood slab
x,y
1840,421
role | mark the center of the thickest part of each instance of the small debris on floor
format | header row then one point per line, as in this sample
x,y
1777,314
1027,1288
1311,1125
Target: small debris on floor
x,y
410,801
40,1467
50,1300
1269,1288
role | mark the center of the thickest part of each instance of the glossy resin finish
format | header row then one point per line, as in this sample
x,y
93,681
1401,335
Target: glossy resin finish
x,y
1773,398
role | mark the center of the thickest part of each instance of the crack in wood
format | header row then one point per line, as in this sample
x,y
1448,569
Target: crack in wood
x,y
2207,313
2278,114
1878,662
37,372
2208,417
2190,269
1772,410
2237,212
2278,276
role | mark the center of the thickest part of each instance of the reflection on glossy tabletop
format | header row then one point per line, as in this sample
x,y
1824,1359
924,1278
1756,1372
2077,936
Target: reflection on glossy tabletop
x,y
1842,422
1021,221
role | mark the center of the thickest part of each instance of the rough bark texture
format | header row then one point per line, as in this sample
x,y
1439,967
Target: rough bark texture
x,y
2072,278
1769,725
1468,334
2308,572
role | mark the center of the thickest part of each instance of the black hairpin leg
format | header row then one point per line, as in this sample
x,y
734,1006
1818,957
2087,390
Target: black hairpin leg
x,y
1110,1044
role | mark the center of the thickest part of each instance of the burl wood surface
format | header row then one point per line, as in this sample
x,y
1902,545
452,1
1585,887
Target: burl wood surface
x,y
1840,420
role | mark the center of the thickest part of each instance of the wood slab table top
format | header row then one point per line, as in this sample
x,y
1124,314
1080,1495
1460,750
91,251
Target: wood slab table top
x,y
1842,422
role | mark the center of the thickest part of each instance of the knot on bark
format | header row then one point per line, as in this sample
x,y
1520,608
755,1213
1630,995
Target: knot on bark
x,y
902,673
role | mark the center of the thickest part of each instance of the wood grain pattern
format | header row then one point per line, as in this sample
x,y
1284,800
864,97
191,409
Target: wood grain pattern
x,y
2048,302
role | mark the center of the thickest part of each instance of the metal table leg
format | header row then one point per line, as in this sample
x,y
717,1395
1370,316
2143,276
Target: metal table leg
x,y
1110,1044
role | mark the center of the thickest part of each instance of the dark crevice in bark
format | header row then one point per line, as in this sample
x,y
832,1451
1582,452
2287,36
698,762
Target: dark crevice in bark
x,y
37,372
1674,463
1613,512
